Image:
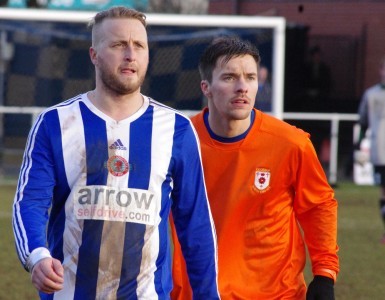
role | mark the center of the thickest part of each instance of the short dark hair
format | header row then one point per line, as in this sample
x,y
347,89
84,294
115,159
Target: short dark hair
x,y
227,47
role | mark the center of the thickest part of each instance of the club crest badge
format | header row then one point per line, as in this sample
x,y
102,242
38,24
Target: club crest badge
x,y
117,165
262,179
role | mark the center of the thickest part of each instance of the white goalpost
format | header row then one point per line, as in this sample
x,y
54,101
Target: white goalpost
x,y
276,24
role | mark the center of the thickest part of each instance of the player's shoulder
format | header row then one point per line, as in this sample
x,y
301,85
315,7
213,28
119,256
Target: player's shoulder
x,y
69,103
165,108
374,89
281,129
161,110
278,126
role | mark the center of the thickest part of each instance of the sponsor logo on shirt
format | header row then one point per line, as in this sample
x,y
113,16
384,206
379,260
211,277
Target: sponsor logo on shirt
x,y
117,165
114,204
118,145
262,179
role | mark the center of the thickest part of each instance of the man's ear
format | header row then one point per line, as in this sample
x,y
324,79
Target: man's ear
x,y
92,53
205,87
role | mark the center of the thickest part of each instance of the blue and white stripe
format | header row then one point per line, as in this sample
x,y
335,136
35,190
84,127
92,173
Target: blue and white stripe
x,y
68,147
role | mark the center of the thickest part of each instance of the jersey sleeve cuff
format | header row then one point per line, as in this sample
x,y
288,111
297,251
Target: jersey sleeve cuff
x,y
327,273
35,256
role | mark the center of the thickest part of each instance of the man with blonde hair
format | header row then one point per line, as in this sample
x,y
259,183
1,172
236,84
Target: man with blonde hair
x,y
105,169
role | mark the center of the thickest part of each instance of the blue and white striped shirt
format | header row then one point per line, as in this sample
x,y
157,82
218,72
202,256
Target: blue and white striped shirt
x,y
106,189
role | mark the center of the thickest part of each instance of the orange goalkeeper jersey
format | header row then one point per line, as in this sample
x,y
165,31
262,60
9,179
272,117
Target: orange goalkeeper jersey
x,y
262,191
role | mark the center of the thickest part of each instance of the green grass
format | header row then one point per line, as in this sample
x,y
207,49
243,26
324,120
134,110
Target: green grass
x,y
362,256
15,283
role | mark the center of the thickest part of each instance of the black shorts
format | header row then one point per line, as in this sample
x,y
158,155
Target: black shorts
x,y
379,175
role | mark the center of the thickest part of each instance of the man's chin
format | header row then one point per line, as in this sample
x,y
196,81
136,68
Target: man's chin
x,y
241,114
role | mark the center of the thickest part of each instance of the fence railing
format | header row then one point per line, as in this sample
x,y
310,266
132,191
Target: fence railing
x,y
334,118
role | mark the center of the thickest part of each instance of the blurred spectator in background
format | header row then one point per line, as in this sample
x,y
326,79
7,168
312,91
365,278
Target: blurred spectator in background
x,y
263,99
317,86
372,115
317,82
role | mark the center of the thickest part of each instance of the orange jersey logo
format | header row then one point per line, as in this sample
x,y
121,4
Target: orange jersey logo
x,y
262,179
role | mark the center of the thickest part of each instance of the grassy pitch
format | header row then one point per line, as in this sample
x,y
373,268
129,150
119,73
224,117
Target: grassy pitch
x,y
362,256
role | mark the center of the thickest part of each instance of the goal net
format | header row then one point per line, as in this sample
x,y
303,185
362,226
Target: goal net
x,y
44,59
50,59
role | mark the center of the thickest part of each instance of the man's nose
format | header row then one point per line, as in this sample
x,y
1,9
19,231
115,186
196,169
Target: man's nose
x,y
129,53
242,86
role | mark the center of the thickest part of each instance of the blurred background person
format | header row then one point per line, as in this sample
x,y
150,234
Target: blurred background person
x,y
263,99
317,82
317,87
372,115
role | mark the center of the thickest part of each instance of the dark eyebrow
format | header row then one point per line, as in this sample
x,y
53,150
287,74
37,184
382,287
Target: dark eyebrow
x,y
229,74
236,74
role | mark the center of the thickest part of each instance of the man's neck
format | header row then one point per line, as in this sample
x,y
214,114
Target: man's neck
x,y
228,128
116,107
